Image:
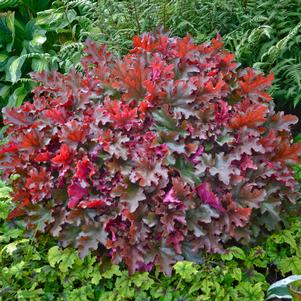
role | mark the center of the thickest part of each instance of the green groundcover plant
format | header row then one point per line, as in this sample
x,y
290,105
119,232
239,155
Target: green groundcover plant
x,y
168,152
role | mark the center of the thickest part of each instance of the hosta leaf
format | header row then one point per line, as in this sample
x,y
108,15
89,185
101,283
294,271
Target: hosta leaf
x,y
42,5
55,19
16,99
39,37
280,290
3,57
40,64
4,4
13,73
4,90
7,30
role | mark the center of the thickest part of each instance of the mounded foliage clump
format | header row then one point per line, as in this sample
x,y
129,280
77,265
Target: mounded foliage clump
x,y
170,151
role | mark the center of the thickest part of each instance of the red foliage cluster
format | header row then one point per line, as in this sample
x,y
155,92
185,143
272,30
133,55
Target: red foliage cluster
x,y
154,157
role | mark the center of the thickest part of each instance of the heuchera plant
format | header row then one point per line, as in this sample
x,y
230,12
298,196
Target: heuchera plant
x,y
170,151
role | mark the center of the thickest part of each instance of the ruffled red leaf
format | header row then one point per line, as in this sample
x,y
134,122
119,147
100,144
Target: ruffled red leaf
x,y
43,157
253,85
286,152
31,139
10,147
39,184
76,192
121,115
63,156
92,203
15,116
56,115
73,132
252,118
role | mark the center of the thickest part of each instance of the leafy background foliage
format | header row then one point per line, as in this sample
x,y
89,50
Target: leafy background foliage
x,y
50,35
36,36
261,33
21,49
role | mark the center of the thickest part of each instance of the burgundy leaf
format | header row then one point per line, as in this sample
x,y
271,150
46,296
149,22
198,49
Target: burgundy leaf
x,y
208,197
76,192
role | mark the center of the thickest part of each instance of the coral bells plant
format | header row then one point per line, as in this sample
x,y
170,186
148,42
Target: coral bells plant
x,y
169,152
